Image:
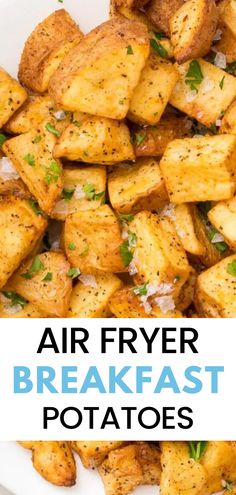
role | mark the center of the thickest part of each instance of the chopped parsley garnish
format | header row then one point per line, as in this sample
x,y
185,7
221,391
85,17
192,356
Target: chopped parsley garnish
x,y
159,48
2,139
52,129
231,68
53,173
125,253
160,35
35,267
213,129
73,273
48,277
71,246
15,298
130,50
139,138
29,159
90,193
67,194
132,239
126,217
141,290
231,268
197,449
35,207
222,82
221,246
194,76
37,139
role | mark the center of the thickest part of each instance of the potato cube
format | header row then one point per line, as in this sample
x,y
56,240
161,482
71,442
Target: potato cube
x,y
98,76
219,461
205,232
223,217
90,300
210,98
160,11
200,169
96,238
44,281
216,290
180,473
92,453
153,140
192,28
12,305
153,91
84,189
149,459
183,220
159,257
137,187
228,15
32,156
12,96
55,462
20,229
34,111
45,48
227,44
93,139
228,125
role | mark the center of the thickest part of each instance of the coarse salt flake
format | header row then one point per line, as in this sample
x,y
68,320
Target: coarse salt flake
x,y
88,280
79,193
165,303
60,115
207,85
7,169
220,60
191,95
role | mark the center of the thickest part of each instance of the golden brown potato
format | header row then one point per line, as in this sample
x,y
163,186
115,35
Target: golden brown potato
x,y
182,217
137,187
192,28
149,459
12,96
153,140
45,48
228,125
83,189
92,453
223,217
200,169
216,290
160,11
208,99
133,14
124,303
32,156
89,298
147,104
181,474
34,111
92,139
212,252
45,282
227,44
20,229
228,14
219,462
131,4
12,305
159,257
98,76
97,239
54,461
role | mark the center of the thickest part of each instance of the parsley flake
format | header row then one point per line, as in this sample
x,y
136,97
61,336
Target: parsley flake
x,y
15,298
130,50
141,290
35,267
71,246
126,217
222,82
29,159
2,139
53,173
125,253
48,277
67,194
35,207
52,129
197,449
37,139
90,193
159,48
73,273
139,138
231,268
194,76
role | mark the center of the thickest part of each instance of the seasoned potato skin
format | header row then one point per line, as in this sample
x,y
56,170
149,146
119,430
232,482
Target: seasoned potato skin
x,y
12,96
93,453
160,11
48,43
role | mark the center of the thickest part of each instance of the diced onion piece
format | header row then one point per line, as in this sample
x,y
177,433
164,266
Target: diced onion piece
x,y
165,303
7,169
220,60
88,280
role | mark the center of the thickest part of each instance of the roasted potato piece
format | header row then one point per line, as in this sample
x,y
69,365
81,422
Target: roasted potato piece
x,y
159,257
84,189
34,111
147,104
219,462
205,232
44,281
200,169
124,303
54,461
12,305
12,96
228,125
227,44
181,474
92,453
98,76
212,95
97,239
149,459
153,140
32,156
94,139
20,229
192,28
125,469
182,217
223,217
228,14
160,11
89,298
137,187
45,48
130,4
216,290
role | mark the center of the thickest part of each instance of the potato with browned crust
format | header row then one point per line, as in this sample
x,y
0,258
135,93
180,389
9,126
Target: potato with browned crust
x,y
160,11
192,29
131,4
93,453
98,76
12,96
45,48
